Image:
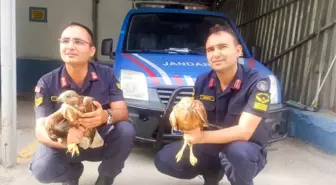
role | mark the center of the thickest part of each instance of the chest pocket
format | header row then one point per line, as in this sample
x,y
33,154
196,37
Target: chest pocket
x,y
234,112
236,109
208,102
210,107
100,92
56,105
236,105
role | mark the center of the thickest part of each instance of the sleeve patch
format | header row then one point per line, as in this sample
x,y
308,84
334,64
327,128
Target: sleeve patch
x,y
38,101
262,86
37,89
261,101
118,85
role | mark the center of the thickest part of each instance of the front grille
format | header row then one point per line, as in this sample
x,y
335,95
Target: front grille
x,y
165,94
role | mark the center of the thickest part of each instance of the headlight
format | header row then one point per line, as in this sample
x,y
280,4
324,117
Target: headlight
x,y
134,85
274,90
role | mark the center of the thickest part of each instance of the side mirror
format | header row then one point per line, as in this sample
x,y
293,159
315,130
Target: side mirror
x,y
107,47
256,52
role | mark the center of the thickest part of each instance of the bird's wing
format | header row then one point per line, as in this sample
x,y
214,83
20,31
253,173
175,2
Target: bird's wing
x,y
56,126
56,117
70,113
196,116
88,104
179,113
172,120
201,112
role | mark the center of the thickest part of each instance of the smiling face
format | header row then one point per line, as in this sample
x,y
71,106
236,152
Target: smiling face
x,y
222,51
75,45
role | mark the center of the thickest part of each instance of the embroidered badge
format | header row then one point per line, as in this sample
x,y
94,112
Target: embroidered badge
x,y
53,98
63,82
38,101
207,97
262,85
37,89
237,84
94,76
211,83
261,101
118,85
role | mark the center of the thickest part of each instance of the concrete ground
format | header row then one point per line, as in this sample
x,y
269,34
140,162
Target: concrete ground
x,y
291,162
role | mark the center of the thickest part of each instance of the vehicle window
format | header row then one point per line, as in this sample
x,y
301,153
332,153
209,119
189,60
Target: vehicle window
x,y
161,32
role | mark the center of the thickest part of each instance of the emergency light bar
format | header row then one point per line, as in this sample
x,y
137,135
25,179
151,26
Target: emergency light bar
x,y
177,4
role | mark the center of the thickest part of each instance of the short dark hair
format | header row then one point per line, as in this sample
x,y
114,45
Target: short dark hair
x,y
88,30
218,28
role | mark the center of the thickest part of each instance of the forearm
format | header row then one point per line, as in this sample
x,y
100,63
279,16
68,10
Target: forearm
x,y
119,115
42,136
226,135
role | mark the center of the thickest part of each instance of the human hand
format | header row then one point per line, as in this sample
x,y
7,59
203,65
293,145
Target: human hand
x,y
95,118
63,142
194,136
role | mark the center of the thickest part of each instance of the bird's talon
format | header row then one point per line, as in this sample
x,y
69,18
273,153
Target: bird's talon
x,y
73,149
178,156
193,160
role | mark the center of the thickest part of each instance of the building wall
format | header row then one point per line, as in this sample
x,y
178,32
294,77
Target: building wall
x,y
39,40
37,44
297,40
111,16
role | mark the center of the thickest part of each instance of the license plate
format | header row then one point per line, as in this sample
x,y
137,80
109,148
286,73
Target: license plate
x,y
176,132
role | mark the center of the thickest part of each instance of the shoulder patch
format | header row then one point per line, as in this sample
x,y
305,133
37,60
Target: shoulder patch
x,y
38,101
261,101
262,85
118,85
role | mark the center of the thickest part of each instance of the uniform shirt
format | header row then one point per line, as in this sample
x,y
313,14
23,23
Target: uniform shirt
x,y
247,92
100,83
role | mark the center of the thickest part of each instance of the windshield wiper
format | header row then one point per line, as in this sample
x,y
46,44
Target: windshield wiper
x,y
184,51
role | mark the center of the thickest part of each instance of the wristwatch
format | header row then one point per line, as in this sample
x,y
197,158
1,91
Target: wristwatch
x,y
109,118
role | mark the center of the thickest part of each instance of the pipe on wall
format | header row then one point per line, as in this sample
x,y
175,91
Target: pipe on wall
x,y
95,23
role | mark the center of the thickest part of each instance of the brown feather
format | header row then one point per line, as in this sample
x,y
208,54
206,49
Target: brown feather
x,y
64,122
188,114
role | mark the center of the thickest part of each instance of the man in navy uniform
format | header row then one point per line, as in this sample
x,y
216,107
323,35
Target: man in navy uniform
x,y
236,98
51,163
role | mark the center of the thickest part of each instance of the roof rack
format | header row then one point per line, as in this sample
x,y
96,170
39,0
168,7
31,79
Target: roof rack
x,y
174,4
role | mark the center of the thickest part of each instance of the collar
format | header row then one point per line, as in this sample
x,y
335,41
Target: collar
x,y
65,79
235,84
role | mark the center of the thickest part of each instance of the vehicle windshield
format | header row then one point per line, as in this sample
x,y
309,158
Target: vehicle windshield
x,y
169,32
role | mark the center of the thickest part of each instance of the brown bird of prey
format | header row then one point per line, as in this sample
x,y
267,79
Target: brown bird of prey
x,y
64,122
188,114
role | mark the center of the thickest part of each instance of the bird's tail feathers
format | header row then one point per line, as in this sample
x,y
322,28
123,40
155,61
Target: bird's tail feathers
x,y
97,141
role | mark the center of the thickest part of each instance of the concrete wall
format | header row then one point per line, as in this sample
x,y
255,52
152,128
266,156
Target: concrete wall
x,y
39,40
111,16
37,44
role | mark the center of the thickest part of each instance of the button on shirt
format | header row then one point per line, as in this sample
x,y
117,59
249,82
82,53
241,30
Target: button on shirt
x,y
100,83
247,92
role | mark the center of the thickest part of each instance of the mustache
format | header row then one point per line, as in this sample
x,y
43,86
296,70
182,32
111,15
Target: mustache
x,y
218,59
